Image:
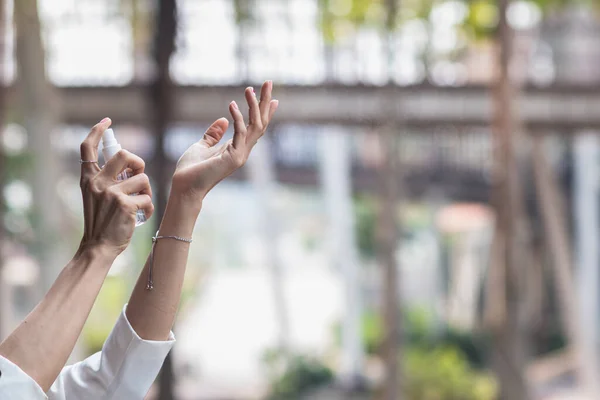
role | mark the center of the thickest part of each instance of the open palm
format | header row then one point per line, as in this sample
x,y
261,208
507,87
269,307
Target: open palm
x,y
205,163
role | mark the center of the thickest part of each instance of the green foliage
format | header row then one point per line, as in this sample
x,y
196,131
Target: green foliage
x,y
242,11
480,24
355,11
418,332
291,376
553,5
482,18
366,222
416,324
17,167
107,307
371,331
416,9
475,347
337,13
444,366
444,374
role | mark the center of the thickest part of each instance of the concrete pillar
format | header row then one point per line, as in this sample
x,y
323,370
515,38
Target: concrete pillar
x,y
262,175
336,180
586,159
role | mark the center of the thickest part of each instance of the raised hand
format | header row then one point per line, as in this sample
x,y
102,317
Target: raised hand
x,y
109,210
205,163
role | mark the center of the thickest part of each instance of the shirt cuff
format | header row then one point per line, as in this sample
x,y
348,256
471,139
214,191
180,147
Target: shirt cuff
x,y
124,369
139,360
125,322
15,384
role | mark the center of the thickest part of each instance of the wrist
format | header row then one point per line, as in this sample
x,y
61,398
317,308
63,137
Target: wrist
x,y
189,201
180,216
100,253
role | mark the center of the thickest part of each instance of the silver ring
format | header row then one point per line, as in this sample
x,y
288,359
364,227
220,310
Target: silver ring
x,y
87,161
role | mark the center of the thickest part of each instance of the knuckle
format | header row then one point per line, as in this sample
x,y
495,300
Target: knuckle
x,y
145,179
110,196
134,160
137,159
95,188
122,154
85,146
122,201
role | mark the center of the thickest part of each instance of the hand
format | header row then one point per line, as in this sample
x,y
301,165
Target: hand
x,y
109,210
205,164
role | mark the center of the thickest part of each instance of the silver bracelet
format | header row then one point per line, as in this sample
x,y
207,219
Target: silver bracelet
x,y
150,284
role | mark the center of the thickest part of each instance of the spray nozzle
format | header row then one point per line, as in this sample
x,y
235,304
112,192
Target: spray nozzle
x,y
108,138
110,146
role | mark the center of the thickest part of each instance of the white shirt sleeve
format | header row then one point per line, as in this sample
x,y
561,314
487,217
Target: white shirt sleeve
x,y
15,384
124,369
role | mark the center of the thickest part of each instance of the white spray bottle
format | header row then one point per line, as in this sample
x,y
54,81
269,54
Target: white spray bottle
x,y
110,147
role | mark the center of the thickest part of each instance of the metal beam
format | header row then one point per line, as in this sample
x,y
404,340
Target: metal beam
x,y
556,108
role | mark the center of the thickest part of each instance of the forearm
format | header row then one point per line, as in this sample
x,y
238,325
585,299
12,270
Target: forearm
x,y
42,343
152,312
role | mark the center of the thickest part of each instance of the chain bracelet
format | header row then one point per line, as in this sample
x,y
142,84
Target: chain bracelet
x,y
155,238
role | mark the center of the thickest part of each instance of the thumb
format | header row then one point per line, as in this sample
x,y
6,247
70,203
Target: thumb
x,y
215,132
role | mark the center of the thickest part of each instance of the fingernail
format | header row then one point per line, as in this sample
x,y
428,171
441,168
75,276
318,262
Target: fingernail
x,y
106,119
276,103
234,104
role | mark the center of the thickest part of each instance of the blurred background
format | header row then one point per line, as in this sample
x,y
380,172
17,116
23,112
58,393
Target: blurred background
x,y
421,221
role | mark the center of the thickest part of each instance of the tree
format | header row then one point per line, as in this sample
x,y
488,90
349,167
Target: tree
x,y
161,100
40,116
388,230
3,307
140,21
509,327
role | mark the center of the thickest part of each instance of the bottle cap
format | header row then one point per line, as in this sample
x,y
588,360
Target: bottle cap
x,y
110,146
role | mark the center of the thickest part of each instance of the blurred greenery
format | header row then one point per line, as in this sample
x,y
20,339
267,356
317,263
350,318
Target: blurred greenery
x,y
482,18
294,375
444,373
341,18
243,11
105,312
418,331
366,219
17,224
371,332
437,366
414,217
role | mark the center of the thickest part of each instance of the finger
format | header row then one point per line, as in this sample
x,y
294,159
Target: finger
x,y
122,160
215,132
239,126
254,111
265,101
272,108
143,202
89,147
255,135
139,184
